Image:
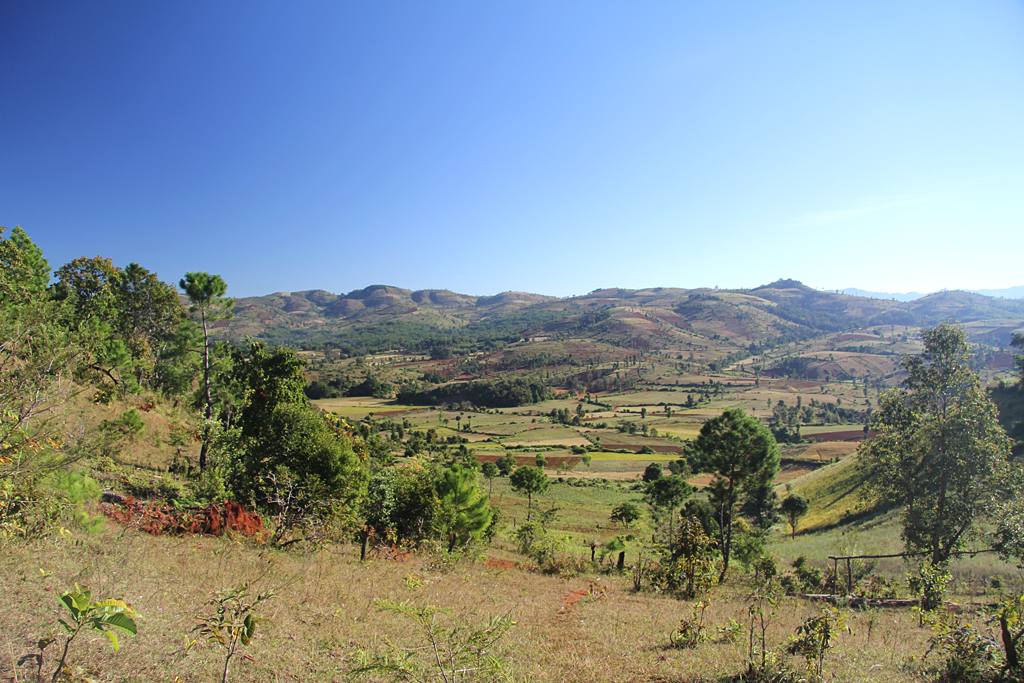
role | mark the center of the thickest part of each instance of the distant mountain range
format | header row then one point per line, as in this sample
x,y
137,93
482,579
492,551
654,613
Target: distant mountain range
x,y
1008,293
383,317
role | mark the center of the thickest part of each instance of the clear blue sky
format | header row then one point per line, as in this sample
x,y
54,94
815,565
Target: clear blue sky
x,y
551,147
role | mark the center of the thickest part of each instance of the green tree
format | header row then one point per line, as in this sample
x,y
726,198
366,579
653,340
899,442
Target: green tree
x,y
794,507
34,275
741,454
651,472
287,444
38,356
402,502
467,511
940,451
490,471
148,314
267,378
531,481
206,295
666,494
88,285
506,464
626,513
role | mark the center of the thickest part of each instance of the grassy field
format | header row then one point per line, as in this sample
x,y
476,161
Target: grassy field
x,y
324,618
836,490
587,626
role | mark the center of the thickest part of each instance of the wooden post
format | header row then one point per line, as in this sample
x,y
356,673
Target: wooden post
x,y
622,561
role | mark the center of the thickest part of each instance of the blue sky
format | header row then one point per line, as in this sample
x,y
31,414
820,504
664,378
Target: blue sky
x,y
551,147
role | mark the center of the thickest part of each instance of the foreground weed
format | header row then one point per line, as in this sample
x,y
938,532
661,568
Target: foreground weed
x,y
692,631
454,652
816,636
761,605
106,616
969,653
232,622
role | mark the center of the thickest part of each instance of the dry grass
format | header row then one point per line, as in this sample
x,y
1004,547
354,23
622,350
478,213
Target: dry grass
x,y
586,629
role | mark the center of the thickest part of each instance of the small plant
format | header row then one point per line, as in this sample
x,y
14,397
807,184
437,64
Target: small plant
x,y
1011,627
761,604
454,652
692,631
930,587
969,654
816,636
108,616
809,576
233,621
731,632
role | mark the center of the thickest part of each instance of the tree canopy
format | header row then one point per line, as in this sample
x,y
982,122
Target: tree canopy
x,y
531,481
741,454
940,451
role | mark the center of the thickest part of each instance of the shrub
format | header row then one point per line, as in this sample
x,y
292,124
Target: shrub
x,y
691,568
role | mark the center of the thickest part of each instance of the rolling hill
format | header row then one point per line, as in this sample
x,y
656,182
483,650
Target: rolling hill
x,y
730,322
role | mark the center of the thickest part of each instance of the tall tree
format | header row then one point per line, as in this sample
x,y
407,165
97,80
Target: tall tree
x,y
467,511
35,269
148,313
285,439
38,355
86,287
741,454
88,284
940,451
206,294
531,481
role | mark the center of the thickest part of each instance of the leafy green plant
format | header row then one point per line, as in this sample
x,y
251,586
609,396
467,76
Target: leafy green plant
x,y
1011,627
969,654
450,652
108,616
930,587
816,636
233,621
691,569
731,632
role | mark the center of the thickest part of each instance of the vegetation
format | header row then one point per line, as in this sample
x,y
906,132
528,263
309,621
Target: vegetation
x,y
940,451
742,456
599,403
794,507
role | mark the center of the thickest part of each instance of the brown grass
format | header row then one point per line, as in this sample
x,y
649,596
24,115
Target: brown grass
x,y
587,629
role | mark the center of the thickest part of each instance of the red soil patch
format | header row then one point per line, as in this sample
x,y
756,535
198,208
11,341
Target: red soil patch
x,y
590,591
501,564
848,435
615,444
554,462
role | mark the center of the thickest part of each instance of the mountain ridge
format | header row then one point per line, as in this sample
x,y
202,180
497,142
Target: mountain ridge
x,y
1005,293
378,317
